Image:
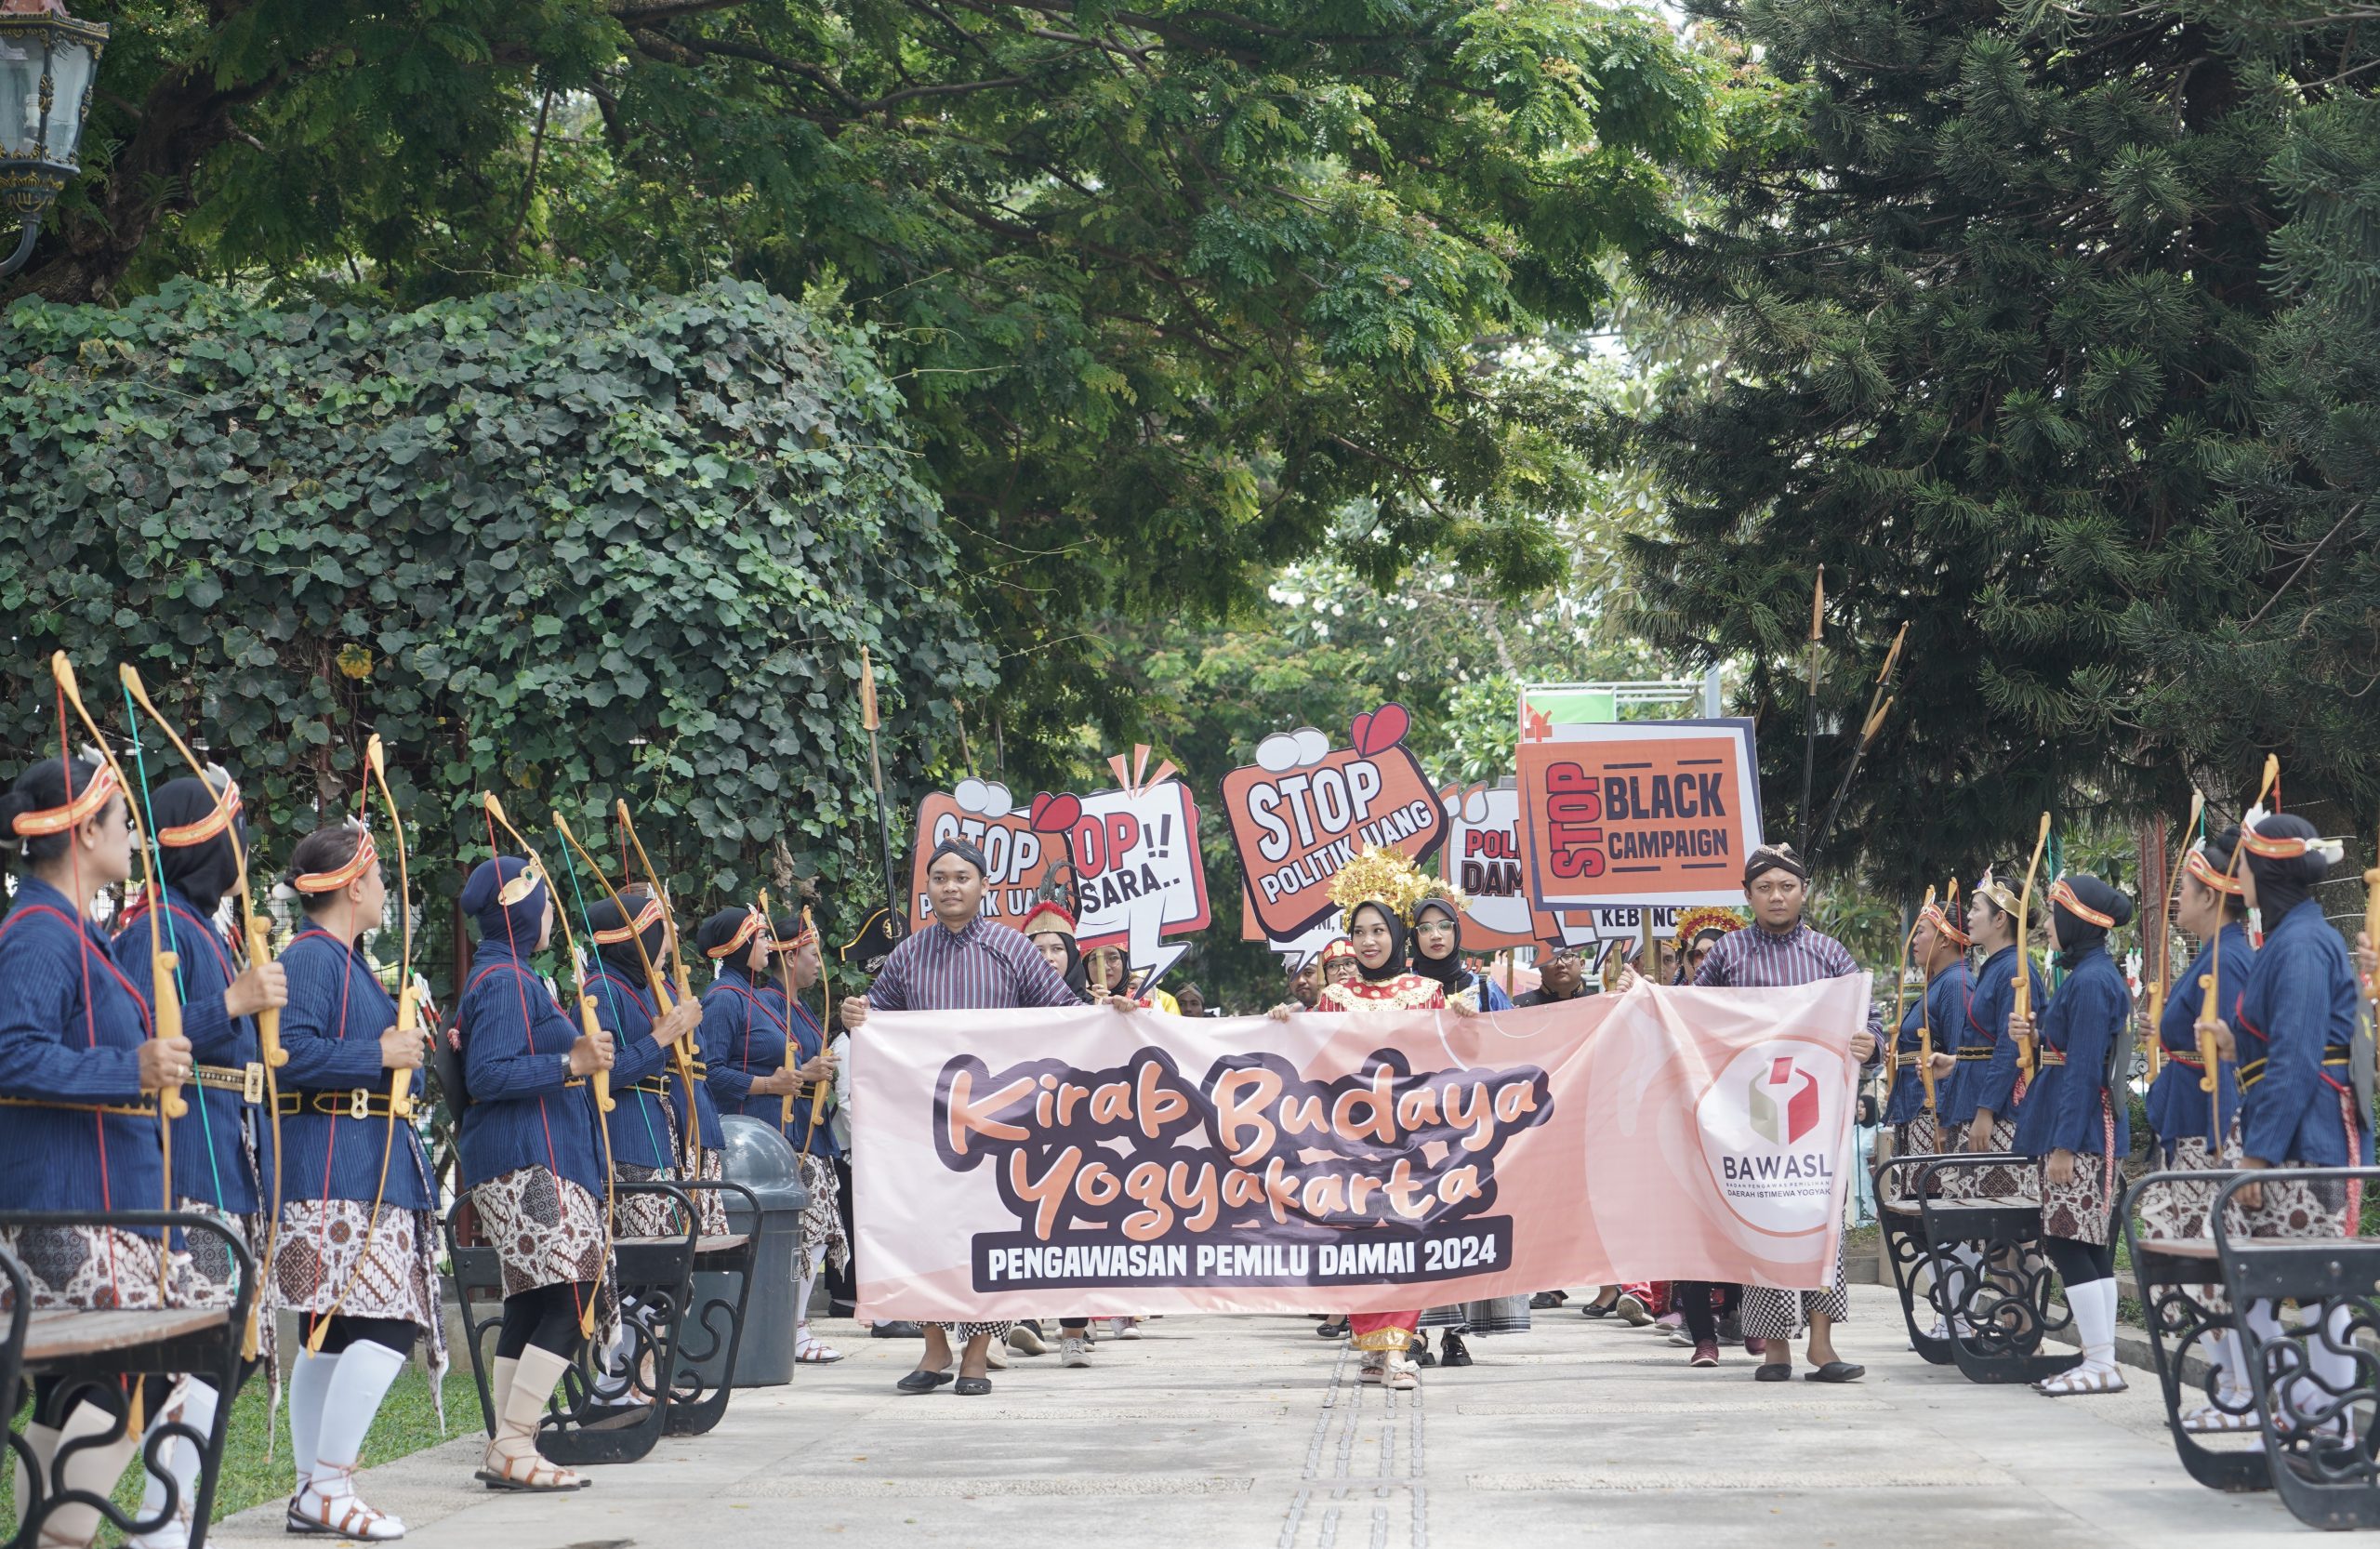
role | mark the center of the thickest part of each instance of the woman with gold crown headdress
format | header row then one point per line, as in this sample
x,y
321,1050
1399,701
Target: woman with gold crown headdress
x,y
1378,893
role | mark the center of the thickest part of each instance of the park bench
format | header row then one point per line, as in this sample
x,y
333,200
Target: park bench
x,y
714,1330
2176,1278
1998,1321
1902,1220
2318,1442
91,1351
595,1418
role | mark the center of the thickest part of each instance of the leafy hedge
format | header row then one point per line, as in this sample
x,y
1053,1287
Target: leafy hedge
x,y
564,544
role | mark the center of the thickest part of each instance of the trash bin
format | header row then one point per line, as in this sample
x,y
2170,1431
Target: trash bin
x,y
756,1156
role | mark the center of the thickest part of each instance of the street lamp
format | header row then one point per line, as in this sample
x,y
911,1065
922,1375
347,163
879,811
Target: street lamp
x,y
47,62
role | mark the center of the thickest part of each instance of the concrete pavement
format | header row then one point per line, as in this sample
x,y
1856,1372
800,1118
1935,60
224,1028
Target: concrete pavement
x,y
1227,1432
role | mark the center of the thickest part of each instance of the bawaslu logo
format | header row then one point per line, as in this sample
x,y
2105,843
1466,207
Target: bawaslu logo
x,y
1771,1127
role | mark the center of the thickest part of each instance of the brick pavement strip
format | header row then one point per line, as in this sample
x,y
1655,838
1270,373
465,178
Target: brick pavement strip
x,y
1229,1432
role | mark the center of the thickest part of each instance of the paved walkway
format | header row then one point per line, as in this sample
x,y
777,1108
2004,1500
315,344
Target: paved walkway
x,y
1229,1432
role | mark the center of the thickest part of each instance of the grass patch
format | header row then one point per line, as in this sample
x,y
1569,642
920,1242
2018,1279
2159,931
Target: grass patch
x,y
407,1423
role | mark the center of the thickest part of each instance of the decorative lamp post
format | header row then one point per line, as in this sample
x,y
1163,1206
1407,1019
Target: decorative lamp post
x,y
47,62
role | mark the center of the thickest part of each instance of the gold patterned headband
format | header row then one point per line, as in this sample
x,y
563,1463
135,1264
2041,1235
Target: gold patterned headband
x,y
367,853
184,835
742,938
2062,894
74,815
646,918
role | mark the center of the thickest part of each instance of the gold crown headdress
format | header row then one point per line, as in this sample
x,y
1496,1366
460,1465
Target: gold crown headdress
x,y
1386,877
1693,922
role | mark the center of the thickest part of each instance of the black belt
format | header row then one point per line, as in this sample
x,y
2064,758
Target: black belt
x,y
653,1086
2253,1071
145,1108
1971,1052
247,1079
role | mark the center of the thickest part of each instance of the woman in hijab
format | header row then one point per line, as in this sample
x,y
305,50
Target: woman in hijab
x,y
2296,1012
1052,928
80,1133
222,1149
531,1157
645,1143
2073,1120
1378,892
1438,954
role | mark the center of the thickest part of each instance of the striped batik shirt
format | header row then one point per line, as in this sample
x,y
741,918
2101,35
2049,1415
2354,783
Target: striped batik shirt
x,y
984,967
1757,957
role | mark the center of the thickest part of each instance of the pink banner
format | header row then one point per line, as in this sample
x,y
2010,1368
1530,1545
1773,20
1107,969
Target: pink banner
x,y
1092,1162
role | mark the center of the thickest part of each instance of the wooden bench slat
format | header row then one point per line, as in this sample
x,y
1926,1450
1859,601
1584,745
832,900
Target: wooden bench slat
x,y
60,1335
2180,1247
732,1241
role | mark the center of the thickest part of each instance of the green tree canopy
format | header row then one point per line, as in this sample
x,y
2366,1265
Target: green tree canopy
x,y
1995,296
562,545
1165,287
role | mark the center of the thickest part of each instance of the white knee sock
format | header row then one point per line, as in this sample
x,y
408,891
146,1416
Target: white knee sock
x,y
364,1372
192,1403
2231,1365
310,1378
807,1284
2094,1319
2331,1356
91,1469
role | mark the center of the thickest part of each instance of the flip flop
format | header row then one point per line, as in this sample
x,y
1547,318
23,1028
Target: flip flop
x,y
1769,1373
923,1382
1835,1372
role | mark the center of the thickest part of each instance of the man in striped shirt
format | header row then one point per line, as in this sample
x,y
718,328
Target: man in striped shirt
x,y
961,962
1781,949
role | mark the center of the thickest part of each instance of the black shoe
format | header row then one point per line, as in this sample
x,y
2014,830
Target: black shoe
x,y
1418,1351
1450,1350
898,1330
1599,1309
1545,1299
923,1382
1335,1328
973,1387
842,1309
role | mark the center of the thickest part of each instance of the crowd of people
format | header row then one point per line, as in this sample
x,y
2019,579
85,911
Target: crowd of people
x,y
336,1196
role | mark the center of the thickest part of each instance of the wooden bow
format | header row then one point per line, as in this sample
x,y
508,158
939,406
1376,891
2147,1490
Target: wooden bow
x,y
673,955
2210,984
1900,1000
818,1089
166,1018
785,980
2161,986
375,765
600,1079
2023,1004
662,998
260,946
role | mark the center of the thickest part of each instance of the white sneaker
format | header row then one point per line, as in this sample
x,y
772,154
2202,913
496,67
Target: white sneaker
x,y
1074,1350
996,1357
1024,1341
1124,1327
1633,1312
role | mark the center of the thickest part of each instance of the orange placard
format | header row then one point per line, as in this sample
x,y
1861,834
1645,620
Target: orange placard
x,y
1646,812
1297,817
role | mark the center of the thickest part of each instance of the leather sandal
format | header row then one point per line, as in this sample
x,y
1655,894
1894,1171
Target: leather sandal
x,y
529,1475
311,1513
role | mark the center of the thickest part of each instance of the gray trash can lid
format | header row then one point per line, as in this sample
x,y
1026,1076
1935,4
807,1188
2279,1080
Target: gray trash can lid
x,y
754,1155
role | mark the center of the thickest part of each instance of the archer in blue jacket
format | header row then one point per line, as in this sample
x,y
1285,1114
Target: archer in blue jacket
x,y
2073,1120
530,1151
2193,1125
1940,948
646,1141
1981,1107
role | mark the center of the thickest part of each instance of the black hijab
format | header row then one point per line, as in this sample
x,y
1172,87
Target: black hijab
x,y
622,954
2076,937
204,872
721,928
1077,974
1448,971
2284,882
1393,964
